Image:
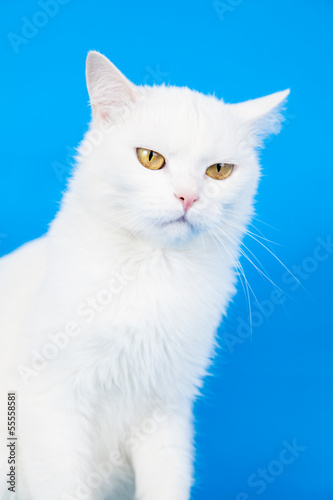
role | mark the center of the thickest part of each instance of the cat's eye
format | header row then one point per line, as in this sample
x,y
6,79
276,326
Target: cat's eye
x,y
150,159
220,171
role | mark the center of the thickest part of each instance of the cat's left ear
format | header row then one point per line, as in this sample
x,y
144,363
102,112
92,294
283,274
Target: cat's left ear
x,y
263,115
109,90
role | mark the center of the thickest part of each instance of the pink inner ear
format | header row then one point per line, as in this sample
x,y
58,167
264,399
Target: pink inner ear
x,y
104,115
107,86
98,110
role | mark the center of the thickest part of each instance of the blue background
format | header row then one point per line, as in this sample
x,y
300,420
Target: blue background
x,y
276,386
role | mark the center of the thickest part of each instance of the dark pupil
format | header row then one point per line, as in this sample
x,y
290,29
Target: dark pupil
x,y
151,155
218,167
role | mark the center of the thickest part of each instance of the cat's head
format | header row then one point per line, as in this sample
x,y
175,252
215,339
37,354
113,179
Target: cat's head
x,y
170,163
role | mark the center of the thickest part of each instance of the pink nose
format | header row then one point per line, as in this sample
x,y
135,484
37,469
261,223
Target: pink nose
x,y
187,200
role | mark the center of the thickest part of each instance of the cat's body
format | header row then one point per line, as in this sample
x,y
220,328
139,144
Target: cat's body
x,y
108,322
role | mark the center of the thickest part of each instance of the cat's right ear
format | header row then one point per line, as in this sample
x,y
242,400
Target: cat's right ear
x,y
109,90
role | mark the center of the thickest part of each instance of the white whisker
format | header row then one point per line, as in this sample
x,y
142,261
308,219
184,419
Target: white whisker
x,y
241,273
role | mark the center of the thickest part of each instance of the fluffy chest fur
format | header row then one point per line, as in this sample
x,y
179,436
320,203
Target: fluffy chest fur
x,y
146,316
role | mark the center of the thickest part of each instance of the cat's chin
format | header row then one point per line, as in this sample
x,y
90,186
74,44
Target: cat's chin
x,y
175,232
168,234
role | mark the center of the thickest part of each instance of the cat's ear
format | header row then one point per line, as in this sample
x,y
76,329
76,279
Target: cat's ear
x,y
109,90
263,115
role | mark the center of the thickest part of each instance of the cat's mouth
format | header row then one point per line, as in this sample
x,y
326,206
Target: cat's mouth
x,y
181,220
181,224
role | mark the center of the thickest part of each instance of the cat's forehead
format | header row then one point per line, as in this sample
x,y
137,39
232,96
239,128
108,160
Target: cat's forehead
x,y
181,121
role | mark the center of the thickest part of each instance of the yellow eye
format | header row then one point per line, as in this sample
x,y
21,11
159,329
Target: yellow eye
x,y
220,171
150,159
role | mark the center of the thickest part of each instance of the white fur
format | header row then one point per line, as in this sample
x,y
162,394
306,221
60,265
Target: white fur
x,y
132,299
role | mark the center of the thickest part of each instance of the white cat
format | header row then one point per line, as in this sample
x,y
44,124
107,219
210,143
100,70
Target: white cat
x,y
108,321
